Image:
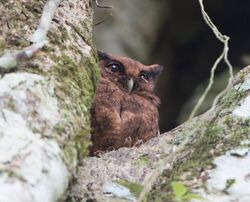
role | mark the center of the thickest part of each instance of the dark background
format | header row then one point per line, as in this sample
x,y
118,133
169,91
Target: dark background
x,y
174,34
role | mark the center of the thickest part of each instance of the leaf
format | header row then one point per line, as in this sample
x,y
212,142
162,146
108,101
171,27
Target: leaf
x,y
179,189
190,196
135,188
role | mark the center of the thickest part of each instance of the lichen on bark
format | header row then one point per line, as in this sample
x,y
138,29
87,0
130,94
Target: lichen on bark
x,y
209,139
67,68
220,131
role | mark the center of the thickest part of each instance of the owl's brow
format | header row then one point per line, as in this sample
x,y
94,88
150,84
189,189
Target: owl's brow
x,y
110,60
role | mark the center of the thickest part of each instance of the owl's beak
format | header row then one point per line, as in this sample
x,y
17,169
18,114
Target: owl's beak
x,y
130,84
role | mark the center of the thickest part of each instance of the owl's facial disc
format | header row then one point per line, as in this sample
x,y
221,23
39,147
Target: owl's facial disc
x,y
130,84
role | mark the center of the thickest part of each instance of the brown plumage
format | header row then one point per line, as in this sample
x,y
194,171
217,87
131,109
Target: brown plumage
x,y
124,112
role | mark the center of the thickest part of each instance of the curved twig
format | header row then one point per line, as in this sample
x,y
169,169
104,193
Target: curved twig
x,y
102,6
151,178
11,60
224,55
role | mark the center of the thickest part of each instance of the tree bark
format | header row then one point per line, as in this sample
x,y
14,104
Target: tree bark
x,y
207,157
44,101
44,126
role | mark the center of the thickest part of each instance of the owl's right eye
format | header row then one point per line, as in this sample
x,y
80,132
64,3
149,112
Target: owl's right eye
x,y
114,67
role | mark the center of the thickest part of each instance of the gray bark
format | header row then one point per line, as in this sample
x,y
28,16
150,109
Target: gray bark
x,y
44,126
209,155
44,101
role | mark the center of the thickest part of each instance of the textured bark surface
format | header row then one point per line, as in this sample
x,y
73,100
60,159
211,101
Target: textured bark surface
x,y
44,126
208,155
44,102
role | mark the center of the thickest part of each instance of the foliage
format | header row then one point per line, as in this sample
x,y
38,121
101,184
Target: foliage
x,y
182,193
134,188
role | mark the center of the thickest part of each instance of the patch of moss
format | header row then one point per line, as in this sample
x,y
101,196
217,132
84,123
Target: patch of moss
x,y
218,137
143,161
232,98
75,92
2,44
237,129
201,155
69,155
229,183
83,33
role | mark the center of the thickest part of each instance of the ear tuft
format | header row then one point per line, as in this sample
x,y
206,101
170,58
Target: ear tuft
x,y
157,70
102,55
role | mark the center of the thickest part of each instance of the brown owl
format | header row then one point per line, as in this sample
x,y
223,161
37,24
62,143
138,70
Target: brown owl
x,y
124,112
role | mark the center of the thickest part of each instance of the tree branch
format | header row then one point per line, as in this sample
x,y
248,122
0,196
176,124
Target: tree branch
x,y
186,154
11,60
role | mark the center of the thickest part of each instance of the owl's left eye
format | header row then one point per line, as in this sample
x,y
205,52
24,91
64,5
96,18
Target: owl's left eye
x,y
144,76
114,67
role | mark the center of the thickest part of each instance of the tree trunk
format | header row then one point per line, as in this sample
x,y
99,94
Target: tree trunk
x,y
44,125
207,157
44,101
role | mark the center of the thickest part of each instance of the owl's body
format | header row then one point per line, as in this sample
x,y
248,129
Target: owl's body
x,y
124,112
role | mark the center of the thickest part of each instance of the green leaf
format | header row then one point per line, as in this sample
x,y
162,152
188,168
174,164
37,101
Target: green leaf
x,y
179,189
134,188
190,196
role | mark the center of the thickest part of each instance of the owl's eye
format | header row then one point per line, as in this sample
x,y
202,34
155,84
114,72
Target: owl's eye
x,y
114,67
144,76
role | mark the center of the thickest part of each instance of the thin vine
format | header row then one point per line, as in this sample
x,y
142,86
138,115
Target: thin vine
x,y
153,176
224,55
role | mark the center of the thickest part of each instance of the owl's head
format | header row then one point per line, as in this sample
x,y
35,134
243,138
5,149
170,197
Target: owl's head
x,y
130,75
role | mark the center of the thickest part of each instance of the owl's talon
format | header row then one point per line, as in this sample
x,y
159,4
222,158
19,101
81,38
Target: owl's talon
x,y
138,142
127,142
99,153
109,149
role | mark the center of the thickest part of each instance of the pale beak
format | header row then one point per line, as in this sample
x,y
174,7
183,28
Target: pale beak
x,y
130,84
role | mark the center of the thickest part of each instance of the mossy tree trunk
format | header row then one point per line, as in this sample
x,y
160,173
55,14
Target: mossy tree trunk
x,y
45,101
207,157
44,126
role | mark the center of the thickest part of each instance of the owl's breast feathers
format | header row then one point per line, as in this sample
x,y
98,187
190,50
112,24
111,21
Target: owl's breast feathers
x,y
122,119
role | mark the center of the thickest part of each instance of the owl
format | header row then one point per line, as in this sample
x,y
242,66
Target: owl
x,y
125,108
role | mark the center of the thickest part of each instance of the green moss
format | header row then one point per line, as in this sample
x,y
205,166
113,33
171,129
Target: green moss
x,y
76,90
76,84
229,183
2,44
64,33
83,33
82,141
218,137
201,156
76,81
143,161
228,120
69,155
232,98
238,129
